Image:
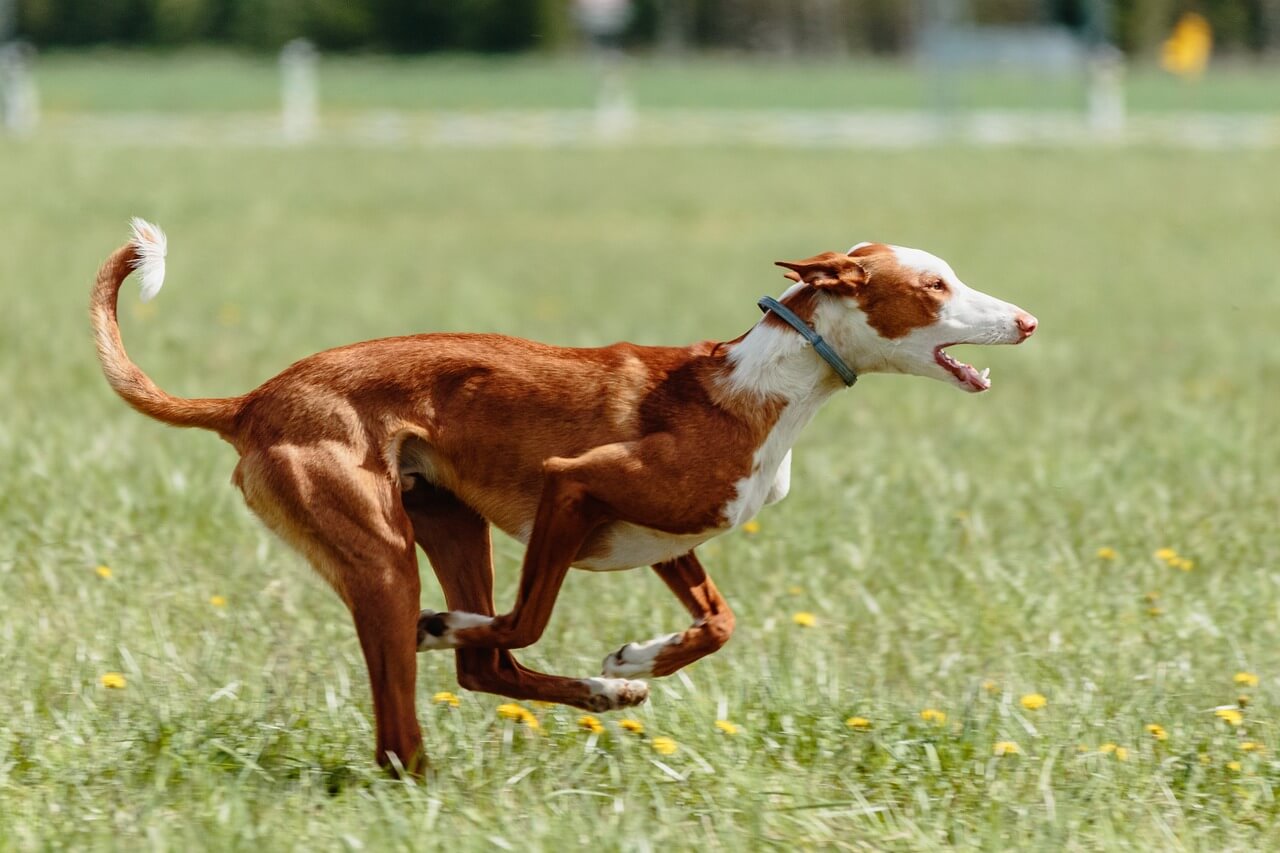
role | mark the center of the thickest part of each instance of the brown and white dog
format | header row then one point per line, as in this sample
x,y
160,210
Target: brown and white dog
x,y
599,459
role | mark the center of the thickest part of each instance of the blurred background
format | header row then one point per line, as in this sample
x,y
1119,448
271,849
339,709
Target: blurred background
x,y
886,72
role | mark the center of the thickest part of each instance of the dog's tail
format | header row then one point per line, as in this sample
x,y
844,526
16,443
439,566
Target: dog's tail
x,y
145,253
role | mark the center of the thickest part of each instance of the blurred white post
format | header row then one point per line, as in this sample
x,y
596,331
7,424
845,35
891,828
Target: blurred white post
x,y
604,22
19,103
299,90
1106,91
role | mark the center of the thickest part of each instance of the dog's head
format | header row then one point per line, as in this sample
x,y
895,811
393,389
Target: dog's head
x,y
889,309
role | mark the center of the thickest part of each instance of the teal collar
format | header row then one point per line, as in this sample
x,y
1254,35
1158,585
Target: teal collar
x,y
821,347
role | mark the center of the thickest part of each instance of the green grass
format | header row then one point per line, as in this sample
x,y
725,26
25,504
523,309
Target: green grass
x,y
941,539
214,82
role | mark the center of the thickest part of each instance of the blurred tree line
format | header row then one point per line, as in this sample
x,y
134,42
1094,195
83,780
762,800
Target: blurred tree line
x,y
795,27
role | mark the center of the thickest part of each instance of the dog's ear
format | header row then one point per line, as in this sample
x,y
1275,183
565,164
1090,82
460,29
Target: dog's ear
x,y
826,270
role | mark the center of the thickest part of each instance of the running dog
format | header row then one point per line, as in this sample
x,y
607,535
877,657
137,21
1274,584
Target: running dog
x,y
600,459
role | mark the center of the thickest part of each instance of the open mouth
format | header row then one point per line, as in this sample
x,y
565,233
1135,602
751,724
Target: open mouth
x,y
968,376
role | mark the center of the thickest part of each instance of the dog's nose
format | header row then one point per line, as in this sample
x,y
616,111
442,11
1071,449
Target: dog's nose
x,y
1026,324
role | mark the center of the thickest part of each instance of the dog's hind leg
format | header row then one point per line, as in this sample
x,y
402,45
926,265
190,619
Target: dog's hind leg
x,y
456,541
347,521
712,627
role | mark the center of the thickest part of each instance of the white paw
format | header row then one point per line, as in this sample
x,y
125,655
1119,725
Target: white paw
x,y
609,694
437,630
635,660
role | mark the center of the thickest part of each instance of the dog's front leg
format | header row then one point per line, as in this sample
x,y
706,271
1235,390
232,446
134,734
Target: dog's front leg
x,y
567,513
711,629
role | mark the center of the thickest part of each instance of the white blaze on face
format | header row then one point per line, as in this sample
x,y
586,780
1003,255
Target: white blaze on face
x,y
966,316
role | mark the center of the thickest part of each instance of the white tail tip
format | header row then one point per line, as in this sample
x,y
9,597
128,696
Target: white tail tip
x,y
150,245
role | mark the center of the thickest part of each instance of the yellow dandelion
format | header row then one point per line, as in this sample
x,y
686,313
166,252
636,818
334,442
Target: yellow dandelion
x,y
1033,701
512,711
634,726
112,681
1107,748
1252,746
861,724
1106,552
1230,716
1245,679
590,723
1157,731
751,527
665,746
444,697
728,727
218,601
1122,754
1233,766
1006,747
1166,554
804,619
933,715
1182,564
103,572
989,685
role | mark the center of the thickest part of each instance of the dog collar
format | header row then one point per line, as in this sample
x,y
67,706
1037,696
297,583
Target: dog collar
x,y
821,347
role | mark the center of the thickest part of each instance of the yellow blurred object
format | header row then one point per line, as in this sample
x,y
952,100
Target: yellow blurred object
x,y
1186,52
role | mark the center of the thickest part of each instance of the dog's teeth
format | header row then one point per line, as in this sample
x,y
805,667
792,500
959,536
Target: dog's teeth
x,y
986,372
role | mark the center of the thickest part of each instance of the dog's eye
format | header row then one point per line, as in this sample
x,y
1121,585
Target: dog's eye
x,y
937,284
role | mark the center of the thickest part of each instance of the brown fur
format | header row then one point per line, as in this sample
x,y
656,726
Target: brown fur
x,y
357,455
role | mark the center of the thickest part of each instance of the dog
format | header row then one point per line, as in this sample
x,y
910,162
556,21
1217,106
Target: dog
x,y
601,459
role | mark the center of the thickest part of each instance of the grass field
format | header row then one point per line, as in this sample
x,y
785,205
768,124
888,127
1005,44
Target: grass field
x,y
946,545
215,82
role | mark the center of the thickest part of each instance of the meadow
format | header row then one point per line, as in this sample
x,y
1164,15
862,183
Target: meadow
x,y
171,676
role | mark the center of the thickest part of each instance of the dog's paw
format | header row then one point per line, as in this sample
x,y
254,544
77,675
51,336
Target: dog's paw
x,y
439,630
610,694
636,660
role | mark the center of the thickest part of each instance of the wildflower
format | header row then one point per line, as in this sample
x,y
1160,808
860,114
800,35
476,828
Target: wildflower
x,y
1245,679
805,619
1166,554
933,715
1107,748
1233,766
1242,700
728,727
444,697
989,685
751,527
113,681
1122,754
103,572
1252,746
1230,716
861,724
1157,731
1182,564
512,711
664,745
1033,701
1106,553
218,601
634,726
591,724
1006,747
